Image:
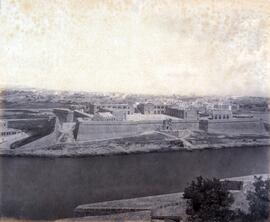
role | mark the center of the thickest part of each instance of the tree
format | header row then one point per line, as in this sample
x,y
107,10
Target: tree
x,y
259,200
208,201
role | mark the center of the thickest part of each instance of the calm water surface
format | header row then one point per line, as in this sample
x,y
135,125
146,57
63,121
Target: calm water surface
x,y
47,188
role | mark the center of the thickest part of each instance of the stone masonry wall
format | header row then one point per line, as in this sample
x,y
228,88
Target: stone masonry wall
x,y
95,130
236,126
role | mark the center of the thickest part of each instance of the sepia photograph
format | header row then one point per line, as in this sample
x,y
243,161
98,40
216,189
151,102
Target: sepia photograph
x,y
134,111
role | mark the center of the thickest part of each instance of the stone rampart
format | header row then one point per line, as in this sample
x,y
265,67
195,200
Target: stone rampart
x,y
47,140
236,126
64,115
95,130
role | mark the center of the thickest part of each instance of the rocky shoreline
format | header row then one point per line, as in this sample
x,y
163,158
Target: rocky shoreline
x,y
84,150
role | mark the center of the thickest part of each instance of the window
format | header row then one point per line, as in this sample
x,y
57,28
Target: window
x,y
219,116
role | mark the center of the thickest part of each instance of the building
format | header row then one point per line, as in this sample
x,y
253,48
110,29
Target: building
x,y
104,116
176,112
6,131
188,114
191,114
222,106
78,107
126,109
220,114
151,108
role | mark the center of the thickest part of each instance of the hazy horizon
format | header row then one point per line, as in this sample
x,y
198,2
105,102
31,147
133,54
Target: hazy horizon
x,y
137,47
25,88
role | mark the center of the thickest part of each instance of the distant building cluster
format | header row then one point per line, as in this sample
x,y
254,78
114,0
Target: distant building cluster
x,y
110,111
151,108
221,114
120,112
189,114
100,115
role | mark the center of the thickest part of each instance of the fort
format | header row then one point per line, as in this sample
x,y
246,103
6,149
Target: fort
x,y
92,130
87,128
42,178
74,125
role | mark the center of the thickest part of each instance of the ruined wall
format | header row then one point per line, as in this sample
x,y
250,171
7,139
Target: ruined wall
x,y
94,130
236,126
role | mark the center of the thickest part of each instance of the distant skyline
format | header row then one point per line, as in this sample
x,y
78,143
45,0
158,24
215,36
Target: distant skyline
x,y
25,88
146,47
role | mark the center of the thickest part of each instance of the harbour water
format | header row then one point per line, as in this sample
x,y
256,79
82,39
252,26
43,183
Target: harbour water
x,y
49,188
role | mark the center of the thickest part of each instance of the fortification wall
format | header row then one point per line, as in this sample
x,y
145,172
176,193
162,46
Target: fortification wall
x,y
64,115
78,114
149,125
94,130
191,124
48,140
27,124
236,126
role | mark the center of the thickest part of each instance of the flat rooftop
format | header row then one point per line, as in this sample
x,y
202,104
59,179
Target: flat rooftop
x,y
145,117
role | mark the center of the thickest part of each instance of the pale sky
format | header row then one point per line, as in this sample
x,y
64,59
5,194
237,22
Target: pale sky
x,y
158,47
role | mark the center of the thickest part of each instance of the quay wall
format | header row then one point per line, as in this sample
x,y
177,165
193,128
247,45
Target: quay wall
x,y
95,130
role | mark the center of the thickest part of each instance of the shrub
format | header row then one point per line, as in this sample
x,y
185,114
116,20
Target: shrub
x,y
208,201
259,200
